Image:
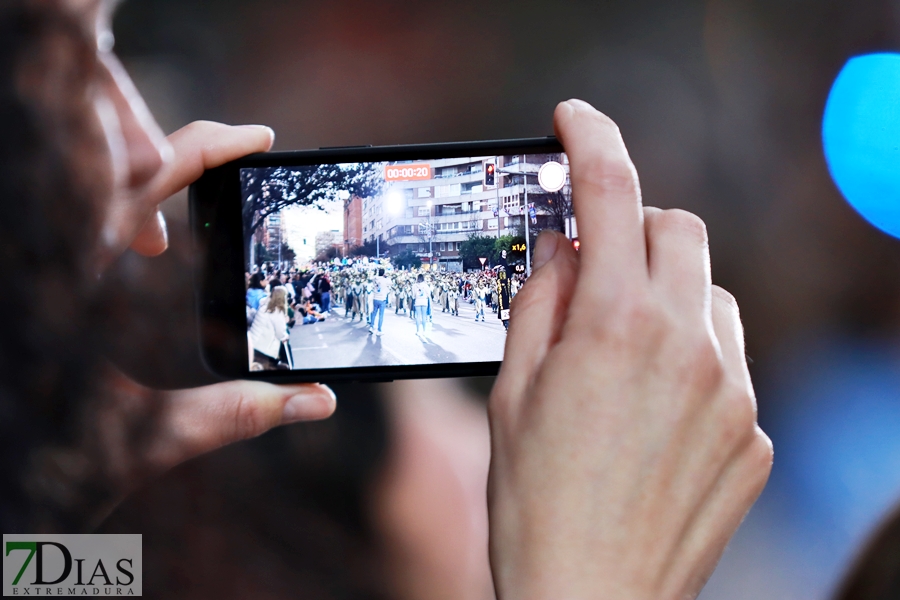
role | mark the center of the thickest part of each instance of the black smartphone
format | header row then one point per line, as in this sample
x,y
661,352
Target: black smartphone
x,y
371,263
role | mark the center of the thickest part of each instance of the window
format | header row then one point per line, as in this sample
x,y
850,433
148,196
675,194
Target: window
x,y
423,211
424,192
408,193
409,212
493,224
443,247
421,247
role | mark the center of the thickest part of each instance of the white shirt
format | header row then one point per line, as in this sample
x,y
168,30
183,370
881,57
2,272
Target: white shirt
x,y
421,292
380,288
269,329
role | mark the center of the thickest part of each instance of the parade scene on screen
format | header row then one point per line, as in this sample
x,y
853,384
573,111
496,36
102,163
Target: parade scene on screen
x,y
393,263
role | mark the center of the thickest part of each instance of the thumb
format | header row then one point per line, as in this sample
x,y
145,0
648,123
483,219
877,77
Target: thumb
x,y
200,420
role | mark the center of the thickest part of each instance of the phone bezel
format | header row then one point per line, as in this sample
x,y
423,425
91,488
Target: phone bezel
x,y
216,225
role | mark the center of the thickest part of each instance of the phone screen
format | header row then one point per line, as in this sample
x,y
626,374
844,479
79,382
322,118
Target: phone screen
x,y
399,263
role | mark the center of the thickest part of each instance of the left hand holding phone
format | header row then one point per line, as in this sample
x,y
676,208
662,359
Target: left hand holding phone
x,y
190,422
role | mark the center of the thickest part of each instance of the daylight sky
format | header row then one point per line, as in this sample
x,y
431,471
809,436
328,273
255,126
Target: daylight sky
x,y
304,222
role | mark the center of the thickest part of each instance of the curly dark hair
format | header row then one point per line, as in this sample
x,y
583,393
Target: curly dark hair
x,y
48,225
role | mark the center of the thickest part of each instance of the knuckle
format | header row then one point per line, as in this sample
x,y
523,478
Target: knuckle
x,y
739,412
612,176
760,456
682,222
528,297
726,297
249,417
702,358
197,127
642,317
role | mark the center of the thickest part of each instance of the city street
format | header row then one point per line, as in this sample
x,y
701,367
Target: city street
x,y
338,343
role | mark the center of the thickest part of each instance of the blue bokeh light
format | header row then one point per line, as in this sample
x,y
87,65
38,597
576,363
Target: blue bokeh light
x,y
861,135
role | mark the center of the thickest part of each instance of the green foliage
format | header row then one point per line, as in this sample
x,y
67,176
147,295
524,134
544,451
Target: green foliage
x,y
287,253
369,249
407,260
489,247
268,190
507,242
327,254
261,254
477,246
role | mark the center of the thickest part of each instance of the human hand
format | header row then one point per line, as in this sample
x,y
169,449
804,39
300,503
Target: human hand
x,y
194,148
625,445
131,433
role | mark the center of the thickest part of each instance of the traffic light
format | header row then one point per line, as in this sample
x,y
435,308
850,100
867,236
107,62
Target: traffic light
x,y
489,174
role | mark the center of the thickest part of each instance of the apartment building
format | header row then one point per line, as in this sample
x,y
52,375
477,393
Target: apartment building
x,y
433,216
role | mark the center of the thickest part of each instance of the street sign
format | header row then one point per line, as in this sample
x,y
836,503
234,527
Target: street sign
x,y
483,260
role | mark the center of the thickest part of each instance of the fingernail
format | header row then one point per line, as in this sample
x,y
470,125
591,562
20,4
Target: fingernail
x,y
576,103
545,248
163,229
303,407
266,128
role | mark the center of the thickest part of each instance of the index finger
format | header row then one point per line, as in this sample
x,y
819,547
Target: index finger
x,y
606,195
205,145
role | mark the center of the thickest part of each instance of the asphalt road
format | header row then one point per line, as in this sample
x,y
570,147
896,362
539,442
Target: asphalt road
x,y
336,342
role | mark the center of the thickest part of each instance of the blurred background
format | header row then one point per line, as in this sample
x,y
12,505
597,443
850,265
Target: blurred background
x,y
721,105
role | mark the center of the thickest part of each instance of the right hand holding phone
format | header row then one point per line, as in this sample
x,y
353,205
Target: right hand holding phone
x,y
626,449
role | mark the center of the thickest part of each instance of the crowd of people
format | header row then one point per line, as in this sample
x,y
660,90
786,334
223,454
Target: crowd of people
x,y
277,300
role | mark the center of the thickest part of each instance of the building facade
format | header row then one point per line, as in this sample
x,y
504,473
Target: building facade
x,y
269,236
326,240
433,217
353,223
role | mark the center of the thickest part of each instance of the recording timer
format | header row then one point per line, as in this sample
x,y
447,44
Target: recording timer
x,y
416,172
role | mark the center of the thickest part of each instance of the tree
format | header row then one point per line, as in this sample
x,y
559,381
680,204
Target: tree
x,y
367,249
287,253
557,206
269,190
407,260
328,254
477,247
261,254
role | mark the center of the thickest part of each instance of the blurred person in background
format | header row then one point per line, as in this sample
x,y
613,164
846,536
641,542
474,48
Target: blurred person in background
x,y
638,387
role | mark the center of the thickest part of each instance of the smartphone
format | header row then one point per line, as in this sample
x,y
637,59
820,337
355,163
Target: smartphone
x,y
371,263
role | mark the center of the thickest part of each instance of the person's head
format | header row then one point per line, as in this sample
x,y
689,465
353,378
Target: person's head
x,y
420,278
78,151
256,281
277,300
381,272
115,144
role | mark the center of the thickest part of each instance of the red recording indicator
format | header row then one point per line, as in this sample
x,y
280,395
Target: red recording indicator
x,y
416,172
577,244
